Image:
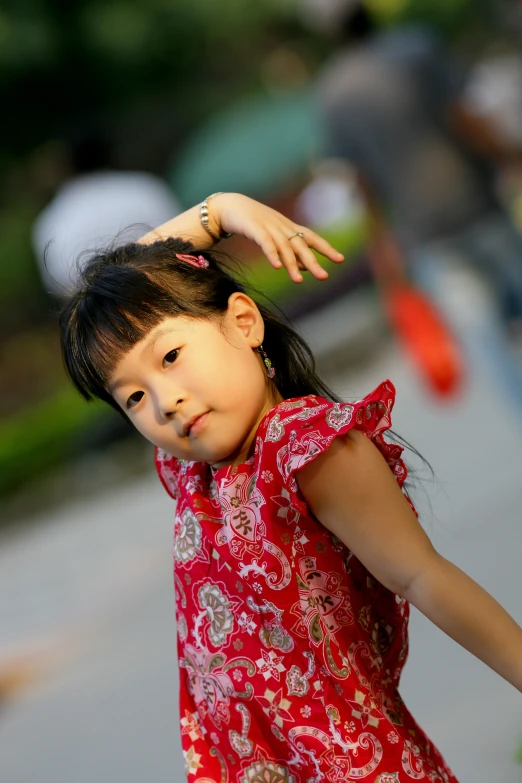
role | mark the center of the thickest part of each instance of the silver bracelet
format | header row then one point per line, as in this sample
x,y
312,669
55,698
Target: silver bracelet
x,y
203,216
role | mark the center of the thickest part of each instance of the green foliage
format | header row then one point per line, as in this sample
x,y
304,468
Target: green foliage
x,y
72,59
38,439
122,30
21,289
26,40
447,15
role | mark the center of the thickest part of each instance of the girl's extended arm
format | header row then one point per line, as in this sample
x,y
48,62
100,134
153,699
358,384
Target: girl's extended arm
x,y
352,491
274,233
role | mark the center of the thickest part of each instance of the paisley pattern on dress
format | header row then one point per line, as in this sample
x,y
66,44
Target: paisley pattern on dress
x,y
290,651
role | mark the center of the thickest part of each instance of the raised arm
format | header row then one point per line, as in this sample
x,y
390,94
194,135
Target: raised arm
x,y
284,242
187,225
352,491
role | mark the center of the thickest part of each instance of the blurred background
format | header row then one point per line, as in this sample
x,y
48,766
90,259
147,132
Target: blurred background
x,y
393,127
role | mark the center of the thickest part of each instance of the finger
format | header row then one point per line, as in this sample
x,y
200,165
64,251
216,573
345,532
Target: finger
x,y
323,247
306,259
266,243
287,255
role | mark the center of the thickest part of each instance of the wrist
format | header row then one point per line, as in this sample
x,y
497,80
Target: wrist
x,y
211,218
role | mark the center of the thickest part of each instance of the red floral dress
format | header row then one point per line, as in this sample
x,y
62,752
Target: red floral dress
x,y
290,651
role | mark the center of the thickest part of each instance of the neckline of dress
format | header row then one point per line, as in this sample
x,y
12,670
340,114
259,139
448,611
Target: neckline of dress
x,y
250,461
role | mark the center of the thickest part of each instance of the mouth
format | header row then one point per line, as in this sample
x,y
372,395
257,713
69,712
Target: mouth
x,y
196,424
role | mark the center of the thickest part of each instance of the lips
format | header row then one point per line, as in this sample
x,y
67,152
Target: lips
x,y
188,426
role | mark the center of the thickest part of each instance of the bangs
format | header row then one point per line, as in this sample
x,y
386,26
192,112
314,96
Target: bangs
x,y
104,322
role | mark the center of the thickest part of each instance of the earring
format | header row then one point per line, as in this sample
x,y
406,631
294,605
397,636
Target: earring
x,y
270,371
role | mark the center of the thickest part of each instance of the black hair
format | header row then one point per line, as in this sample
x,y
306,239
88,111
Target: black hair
x,y
127,291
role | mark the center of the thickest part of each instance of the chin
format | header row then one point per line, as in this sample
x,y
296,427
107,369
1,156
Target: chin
x,y
227,453
220,459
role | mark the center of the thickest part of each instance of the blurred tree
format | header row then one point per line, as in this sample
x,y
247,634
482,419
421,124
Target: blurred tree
x,y
60,59
150,70
452,17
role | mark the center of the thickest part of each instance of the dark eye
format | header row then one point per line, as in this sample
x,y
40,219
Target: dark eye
x,y
170,357
134,399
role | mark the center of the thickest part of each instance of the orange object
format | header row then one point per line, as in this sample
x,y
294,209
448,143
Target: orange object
x,y
425,337
417,322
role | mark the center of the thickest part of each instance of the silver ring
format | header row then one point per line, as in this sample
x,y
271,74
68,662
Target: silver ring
x,y
297,234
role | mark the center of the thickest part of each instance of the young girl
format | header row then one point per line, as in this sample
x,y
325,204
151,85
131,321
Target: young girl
x,y
296,552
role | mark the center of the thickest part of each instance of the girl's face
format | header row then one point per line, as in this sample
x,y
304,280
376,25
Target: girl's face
x,y
187,368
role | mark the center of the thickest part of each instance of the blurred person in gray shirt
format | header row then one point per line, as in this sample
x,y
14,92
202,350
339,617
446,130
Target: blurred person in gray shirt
x,y
392,105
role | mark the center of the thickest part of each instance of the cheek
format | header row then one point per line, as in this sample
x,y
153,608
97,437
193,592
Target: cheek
x,y
144,421
240,375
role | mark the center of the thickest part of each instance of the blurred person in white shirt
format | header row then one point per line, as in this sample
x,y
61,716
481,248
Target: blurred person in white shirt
x,y
97,207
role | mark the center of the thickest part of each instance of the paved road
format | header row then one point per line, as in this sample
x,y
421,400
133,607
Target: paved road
x,y
87,594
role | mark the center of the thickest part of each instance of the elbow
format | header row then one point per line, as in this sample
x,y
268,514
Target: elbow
x,y
417,590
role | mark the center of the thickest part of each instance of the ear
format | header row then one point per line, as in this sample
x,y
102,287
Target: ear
x,y
243,315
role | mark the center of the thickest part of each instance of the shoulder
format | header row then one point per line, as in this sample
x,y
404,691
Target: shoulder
x,y
351,490
351,469
319,420
296,431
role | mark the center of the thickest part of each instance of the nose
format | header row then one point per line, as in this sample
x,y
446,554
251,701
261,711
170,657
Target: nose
x,y
169,414
170,408
168,402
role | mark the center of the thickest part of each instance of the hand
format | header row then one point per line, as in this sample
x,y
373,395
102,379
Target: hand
x,y
274,233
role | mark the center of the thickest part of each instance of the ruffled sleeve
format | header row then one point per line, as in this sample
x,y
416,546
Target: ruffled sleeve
x,y
302,429
168,469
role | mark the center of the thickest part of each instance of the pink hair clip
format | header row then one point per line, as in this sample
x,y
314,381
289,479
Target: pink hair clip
x,y
200,261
